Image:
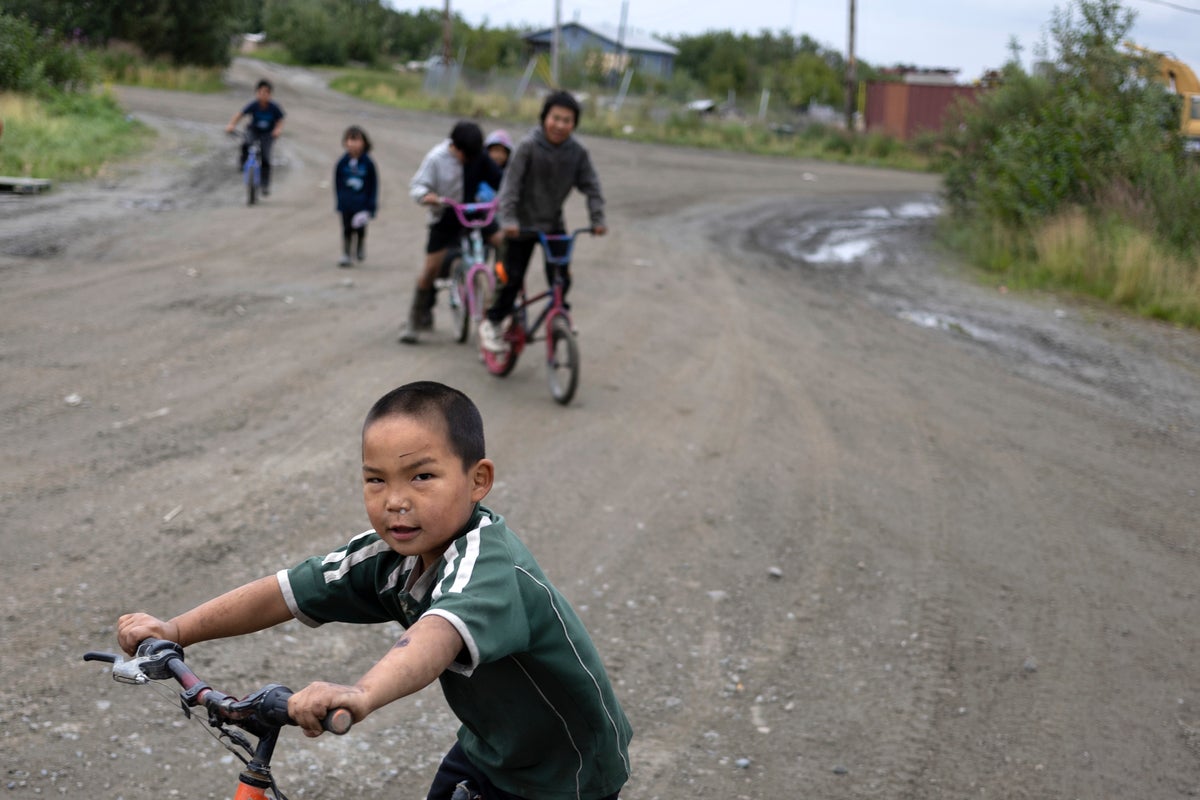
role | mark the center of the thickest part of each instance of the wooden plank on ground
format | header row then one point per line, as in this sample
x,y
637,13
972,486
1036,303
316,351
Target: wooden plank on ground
x,y
24,185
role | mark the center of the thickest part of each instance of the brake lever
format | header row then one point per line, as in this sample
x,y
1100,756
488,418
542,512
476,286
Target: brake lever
x,y
123,670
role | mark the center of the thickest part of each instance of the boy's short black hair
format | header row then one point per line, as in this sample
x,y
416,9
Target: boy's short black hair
x,y
560,98
429,399
468,138
264,83
358,133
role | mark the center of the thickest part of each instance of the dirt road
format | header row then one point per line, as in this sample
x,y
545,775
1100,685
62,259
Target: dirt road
x,y
843,523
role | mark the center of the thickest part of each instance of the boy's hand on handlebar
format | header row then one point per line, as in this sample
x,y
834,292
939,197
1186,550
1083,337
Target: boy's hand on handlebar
x,y
133,628
599,230
311,704
511,231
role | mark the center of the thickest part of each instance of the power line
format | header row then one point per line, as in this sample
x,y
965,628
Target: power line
x,y
1175,6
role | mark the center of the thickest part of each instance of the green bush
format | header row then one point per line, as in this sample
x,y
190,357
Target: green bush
x,y
30,62
1064,135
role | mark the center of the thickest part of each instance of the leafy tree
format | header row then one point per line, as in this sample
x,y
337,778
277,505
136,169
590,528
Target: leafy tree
x,y
1089,123
33,62
90,20
186,31
307,29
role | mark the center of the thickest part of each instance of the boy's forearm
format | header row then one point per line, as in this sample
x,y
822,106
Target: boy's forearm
x,y
414,662
253,607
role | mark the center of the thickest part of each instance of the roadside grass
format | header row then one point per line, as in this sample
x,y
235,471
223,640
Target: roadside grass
x,y
65,136
1107,259
129,68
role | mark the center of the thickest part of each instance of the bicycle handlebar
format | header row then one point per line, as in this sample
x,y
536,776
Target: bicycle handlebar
x,y
462,209
557,259
159,660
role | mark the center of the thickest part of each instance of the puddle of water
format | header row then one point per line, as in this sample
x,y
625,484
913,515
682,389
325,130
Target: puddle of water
x,y
875,213
852,239
918,210
840,252
948,324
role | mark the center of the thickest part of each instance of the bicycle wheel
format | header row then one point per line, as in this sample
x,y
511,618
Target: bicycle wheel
x,y
500,364
483,293
562,364
251,182
460,314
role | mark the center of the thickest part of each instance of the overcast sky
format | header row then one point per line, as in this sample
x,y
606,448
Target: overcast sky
x,y
968,35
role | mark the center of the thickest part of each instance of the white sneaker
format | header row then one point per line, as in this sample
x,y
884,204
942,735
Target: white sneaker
x,y
491,337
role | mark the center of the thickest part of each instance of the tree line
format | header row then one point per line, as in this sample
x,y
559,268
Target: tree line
x,y
797,70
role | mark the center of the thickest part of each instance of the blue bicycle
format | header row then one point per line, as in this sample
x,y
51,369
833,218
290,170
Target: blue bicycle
x,y
251,166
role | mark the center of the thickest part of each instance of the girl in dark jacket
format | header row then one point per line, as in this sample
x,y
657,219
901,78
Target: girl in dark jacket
x,y
356,184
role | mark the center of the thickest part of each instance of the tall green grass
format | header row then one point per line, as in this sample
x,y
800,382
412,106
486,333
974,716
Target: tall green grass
x,y
65,136
129,68
1106,258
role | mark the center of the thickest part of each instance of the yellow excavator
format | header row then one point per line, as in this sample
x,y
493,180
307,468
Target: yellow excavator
x,y
1179,78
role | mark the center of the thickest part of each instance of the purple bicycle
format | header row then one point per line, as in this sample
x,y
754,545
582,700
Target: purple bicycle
x,y
469,277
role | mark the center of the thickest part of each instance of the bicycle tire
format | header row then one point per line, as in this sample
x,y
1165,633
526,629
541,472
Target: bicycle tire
x,y
460,313
251,181
501,364
562,362
484,286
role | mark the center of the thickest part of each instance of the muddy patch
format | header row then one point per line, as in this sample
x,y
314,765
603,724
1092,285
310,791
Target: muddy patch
x,y
885,252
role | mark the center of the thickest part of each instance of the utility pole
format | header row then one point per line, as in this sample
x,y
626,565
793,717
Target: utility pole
x,y
554,42
851,76
446,51
619,66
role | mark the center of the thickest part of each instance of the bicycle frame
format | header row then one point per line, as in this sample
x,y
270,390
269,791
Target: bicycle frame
x,y
553,321
473,252
554,293
252,169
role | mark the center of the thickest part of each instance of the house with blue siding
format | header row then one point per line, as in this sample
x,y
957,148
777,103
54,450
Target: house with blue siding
x,y
619,52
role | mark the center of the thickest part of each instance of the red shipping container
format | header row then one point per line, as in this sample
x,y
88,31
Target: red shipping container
x,y
902,110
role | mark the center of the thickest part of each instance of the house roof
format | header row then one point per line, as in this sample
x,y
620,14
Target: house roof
x,y
634,41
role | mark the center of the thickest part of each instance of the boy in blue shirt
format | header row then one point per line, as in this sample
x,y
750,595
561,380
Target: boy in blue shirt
x,y
540,720
266,123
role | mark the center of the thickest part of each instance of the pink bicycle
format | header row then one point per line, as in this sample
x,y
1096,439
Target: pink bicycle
x,y
562,351
469,277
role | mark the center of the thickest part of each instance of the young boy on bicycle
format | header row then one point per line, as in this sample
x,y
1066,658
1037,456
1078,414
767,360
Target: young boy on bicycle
x,y
539,715
266,123
545,166
454,168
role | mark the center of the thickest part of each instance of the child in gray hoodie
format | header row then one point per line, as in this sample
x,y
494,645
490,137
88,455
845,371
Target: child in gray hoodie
x,y
544,167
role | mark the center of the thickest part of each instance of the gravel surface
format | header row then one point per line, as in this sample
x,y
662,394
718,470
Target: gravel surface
x,y
843,521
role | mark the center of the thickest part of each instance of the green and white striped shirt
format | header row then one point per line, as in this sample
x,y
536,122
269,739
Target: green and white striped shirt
x,y
539,716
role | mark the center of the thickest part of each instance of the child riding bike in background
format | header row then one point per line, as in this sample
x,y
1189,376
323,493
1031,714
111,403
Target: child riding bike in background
x,y
539,715
454,168
545,166
266,123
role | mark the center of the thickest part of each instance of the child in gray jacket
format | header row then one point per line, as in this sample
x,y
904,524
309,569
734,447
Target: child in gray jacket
x,y
545,166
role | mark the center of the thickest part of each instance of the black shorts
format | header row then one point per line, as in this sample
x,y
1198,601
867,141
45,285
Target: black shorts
x,y
447,231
